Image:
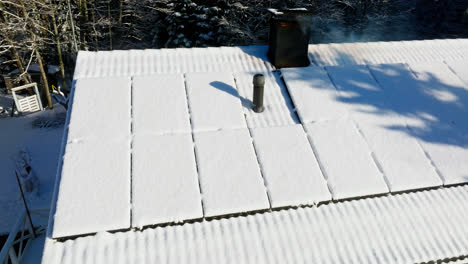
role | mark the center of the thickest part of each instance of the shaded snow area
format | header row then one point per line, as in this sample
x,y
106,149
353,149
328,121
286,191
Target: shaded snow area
x,y
39,135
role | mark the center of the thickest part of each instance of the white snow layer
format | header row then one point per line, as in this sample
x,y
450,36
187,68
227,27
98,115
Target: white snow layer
x,y
291,173
442,138
214,102
451,157
160,104
101,109
313,94
94,192
460,69
345,159
401,158
164,180
229,174
445,92
43,146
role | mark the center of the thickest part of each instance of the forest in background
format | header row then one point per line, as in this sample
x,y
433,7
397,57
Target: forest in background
x,y
51,32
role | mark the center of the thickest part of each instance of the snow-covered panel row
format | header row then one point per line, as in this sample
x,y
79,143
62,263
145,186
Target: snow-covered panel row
x,y
160,104
433,108
313,94
278,109
344,155
444,91
181,60
388,52
94,192
426,94
101,107
94,188
448,150
410,119
416,227
164,180
214,102
371,129
400,157
460,68
291,172
345,159
230,177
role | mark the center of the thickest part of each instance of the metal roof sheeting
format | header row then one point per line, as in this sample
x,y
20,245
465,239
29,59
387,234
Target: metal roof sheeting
x,y
91,64
388,52
182,60
403,228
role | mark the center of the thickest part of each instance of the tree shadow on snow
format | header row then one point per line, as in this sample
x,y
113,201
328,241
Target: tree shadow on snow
x,y
434,111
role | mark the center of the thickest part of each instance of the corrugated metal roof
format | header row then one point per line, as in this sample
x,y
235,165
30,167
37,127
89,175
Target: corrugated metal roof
x,y
389,52
181,60
253,58
404,228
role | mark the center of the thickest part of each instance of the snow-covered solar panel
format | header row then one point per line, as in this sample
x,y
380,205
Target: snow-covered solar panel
x,y
164,180
292,174
460,69
160,104
444,91
94,188
400,157
346,159
214,101
313,94
230,177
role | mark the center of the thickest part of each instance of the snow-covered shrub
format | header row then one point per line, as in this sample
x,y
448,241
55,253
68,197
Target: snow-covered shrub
x,y
49,121
190,24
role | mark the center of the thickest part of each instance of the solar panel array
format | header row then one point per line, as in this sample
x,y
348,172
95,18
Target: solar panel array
x,y
171,147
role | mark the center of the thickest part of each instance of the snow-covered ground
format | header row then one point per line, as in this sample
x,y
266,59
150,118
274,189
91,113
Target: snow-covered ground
x,y
43,144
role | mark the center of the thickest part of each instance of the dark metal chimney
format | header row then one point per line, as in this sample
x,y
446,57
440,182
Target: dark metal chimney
x,y
289,37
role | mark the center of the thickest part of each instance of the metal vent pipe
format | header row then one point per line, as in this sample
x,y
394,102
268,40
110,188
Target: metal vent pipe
x,y
259,84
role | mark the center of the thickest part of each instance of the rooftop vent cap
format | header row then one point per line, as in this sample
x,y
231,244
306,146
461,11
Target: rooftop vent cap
x,y
289,37
259,85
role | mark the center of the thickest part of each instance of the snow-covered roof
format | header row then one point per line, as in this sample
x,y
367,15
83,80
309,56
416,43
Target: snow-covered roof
x,y
166,140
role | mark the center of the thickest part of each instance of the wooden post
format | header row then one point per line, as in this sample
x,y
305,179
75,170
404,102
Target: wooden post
x,y
72,25
110,23
59,52
8,83
39,59
44,79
